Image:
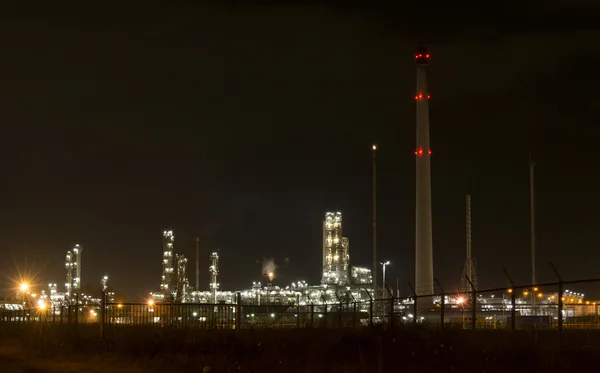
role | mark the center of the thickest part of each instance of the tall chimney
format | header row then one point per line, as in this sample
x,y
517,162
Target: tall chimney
x,y
423,234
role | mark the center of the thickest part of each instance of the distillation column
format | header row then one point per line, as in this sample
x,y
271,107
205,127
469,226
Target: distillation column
x,y
166,284
77,263
69,280
214,274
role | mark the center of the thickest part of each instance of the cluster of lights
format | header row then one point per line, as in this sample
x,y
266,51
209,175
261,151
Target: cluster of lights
x,y
420,96
420,55
420,152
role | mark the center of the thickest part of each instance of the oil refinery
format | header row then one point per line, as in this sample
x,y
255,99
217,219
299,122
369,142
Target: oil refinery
x,y
341,282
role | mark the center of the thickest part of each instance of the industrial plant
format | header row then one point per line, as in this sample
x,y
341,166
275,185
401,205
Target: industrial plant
x,y
341,281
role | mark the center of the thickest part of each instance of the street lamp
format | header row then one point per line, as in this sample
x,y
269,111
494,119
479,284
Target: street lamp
x,y
384,264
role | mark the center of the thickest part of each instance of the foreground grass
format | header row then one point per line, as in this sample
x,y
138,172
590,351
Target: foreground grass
x,y
289,351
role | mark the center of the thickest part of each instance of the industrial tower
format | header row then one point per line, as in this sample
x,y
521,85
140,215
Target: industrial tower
x,y
73,262
166,285
469,270
182,284
336,256
423,234
214,275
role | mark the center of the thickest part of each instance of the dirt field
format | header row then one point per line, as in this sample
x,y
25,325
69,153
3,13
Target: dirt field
x,y
292,352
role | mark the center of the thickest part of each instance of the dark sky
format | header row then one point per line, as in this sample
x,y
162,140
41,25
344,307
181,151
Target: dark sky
x,y
243,124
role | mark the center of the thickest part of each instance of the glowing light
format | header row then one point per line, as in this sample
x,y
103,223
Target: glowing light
x,y
428,97
374,147
525,293
535,289
509,291
429,151
540,295
426,56
24,286
460,300
41,304
150,302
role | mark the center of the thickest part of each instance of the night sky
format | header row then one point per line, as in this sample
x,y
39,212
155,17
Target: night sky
x,y
243,124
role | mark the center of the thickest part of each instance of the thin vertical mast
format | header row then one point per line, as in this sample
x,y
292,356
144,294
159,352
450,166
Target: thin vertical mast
x,y
532,217
374,191
197,264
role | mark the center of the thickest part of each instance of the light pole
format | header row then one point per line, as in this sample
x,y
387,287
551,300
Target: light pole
x,y
384,264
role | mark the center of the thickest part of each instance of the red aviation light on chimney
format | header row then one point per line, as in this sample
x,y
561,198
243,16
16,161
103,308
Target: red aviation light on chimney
x,y
419,152
429,151
428,97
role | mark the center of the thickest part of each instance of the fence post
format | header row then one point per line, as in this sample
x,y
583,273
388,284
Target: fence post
x,y
102,313
238,311
391,317
513,302
354,315
312,315
473,304
560,308
77,308
370,308
442,304
415,303
298,310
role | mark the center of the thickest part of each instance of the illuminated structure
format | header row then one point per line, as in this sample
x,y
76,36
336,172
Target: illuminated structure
x,y
166,285
469,270
214,274
182,281
77,263
361,276
336,256
69,268
73,267
423,232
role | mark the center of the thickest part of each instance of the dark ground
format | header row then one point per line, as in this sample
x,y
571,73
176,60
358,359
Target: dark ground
x,y
291,351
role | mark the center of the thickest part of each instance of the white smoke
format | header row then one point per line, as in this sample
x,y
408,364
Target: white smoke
x,y
269,266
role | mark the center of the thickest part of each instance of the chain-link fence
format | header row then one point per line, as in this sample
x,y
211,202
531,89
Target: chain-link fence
x,y
550,306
